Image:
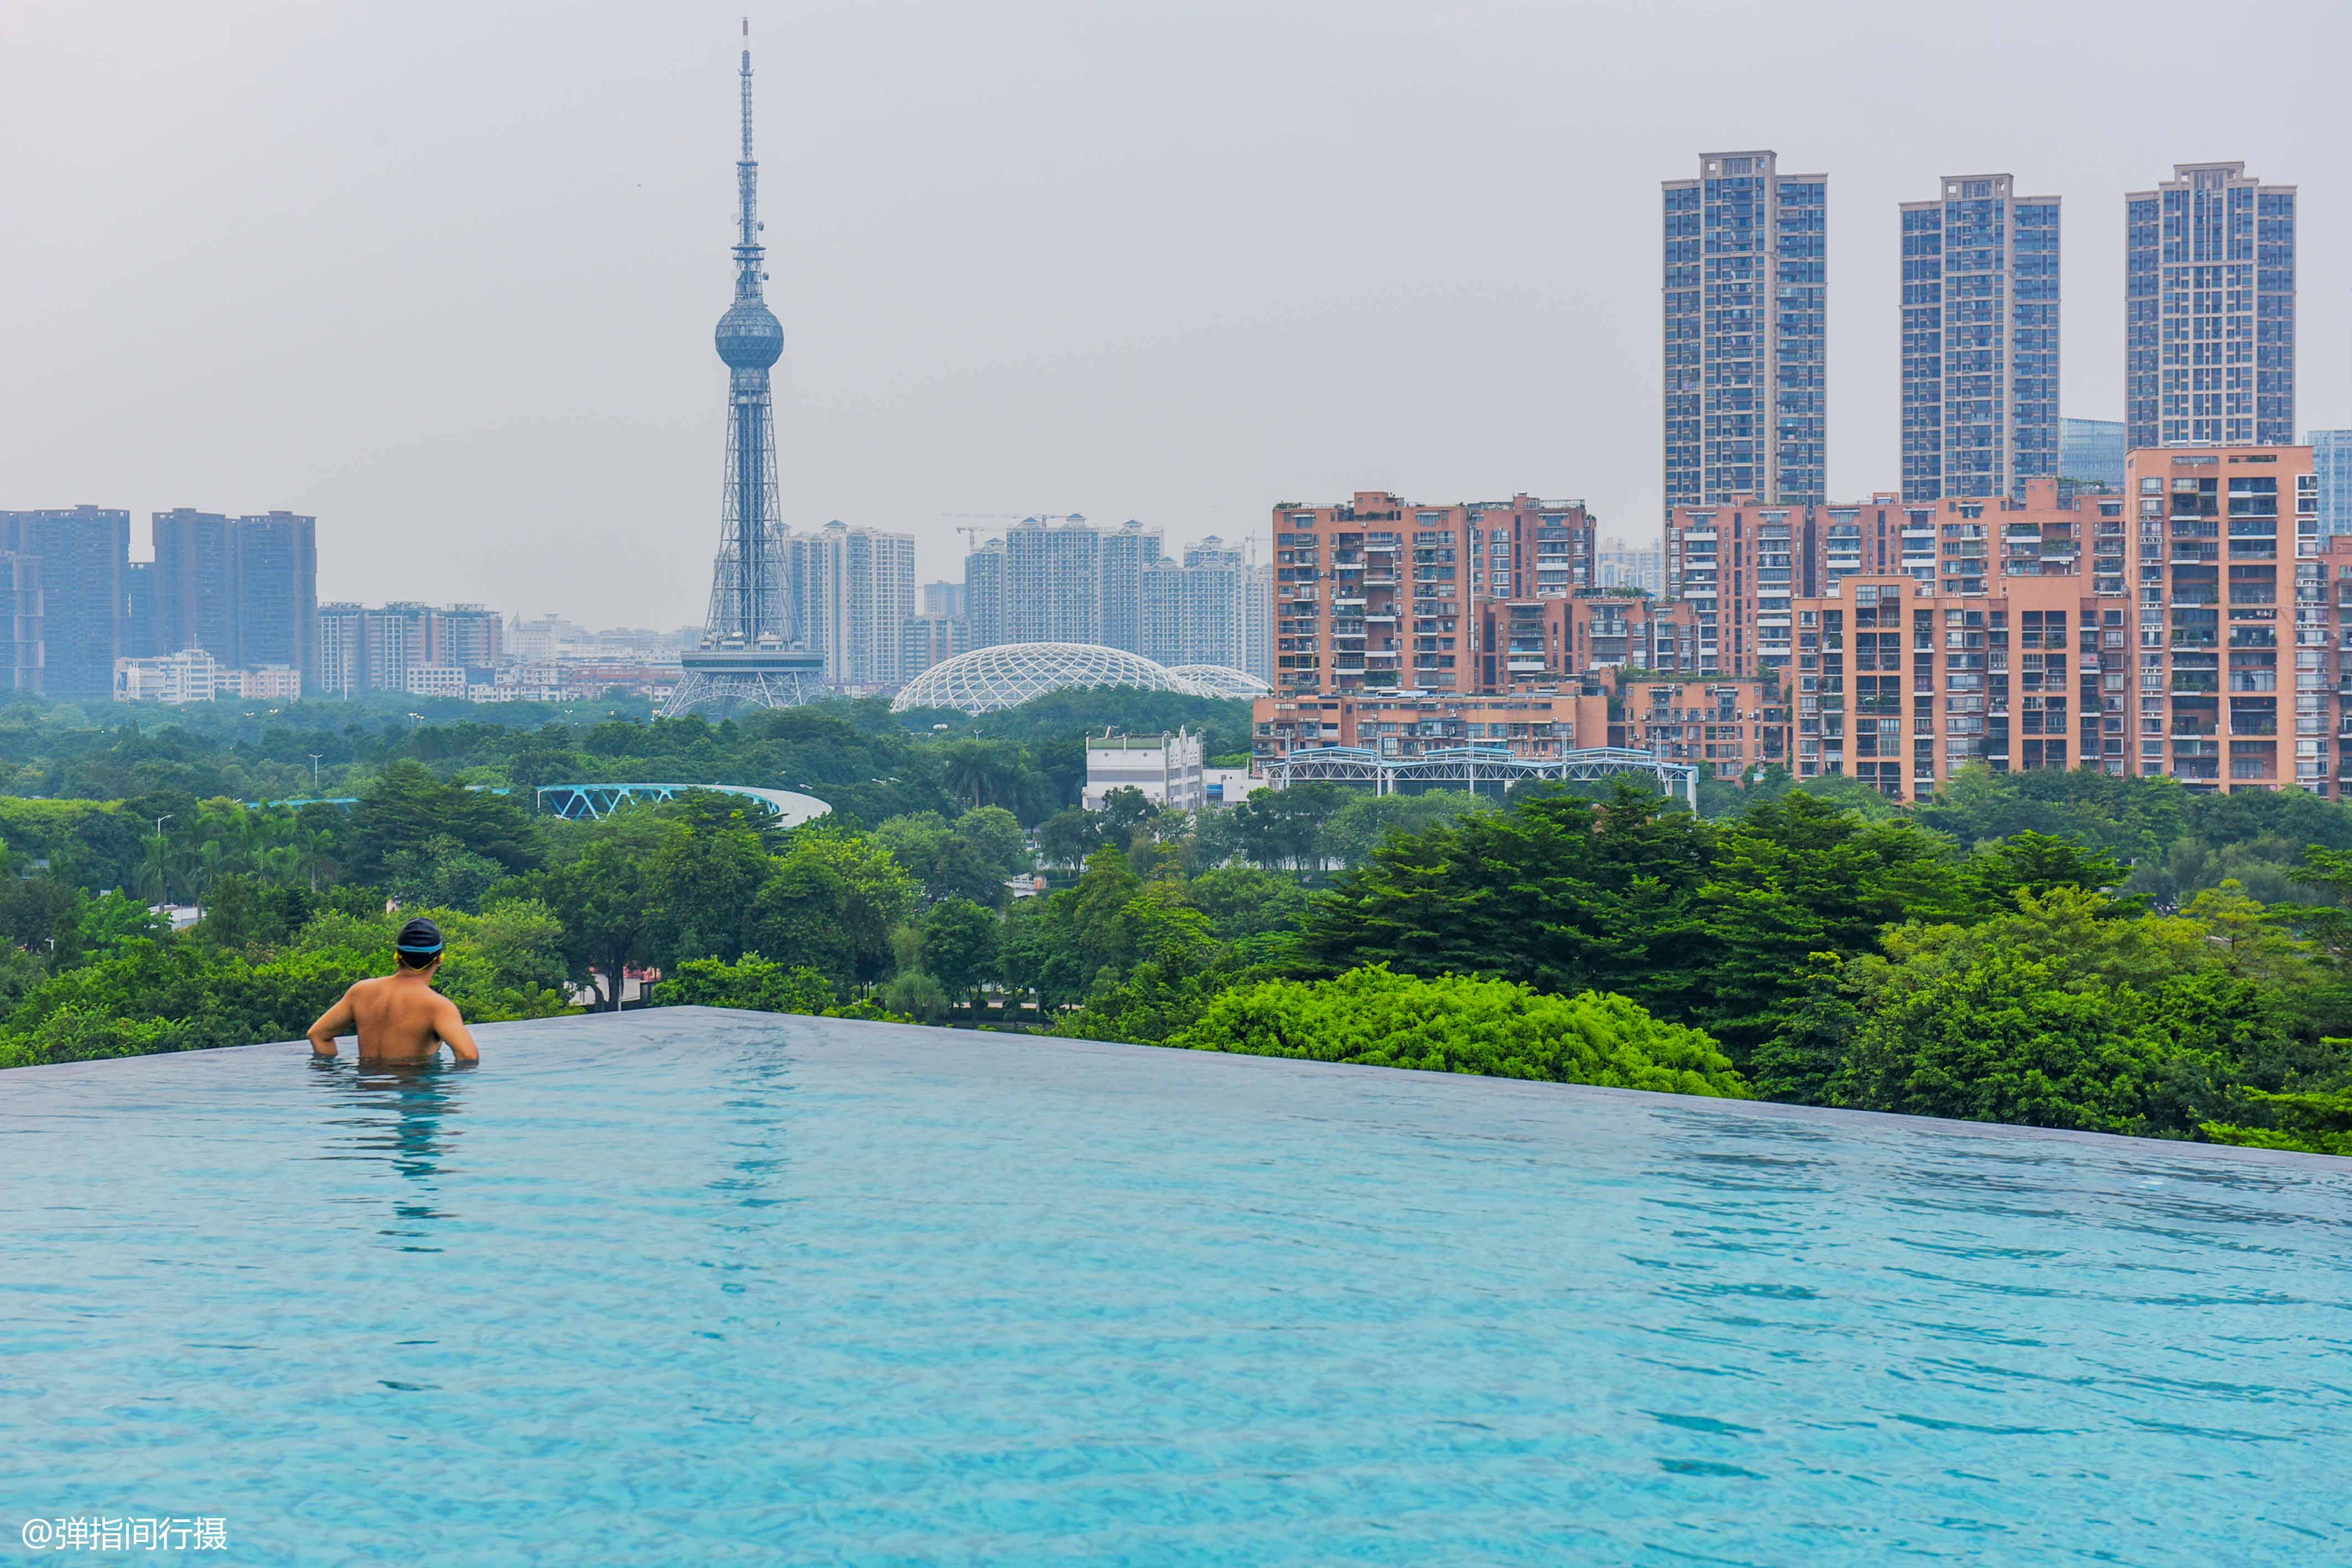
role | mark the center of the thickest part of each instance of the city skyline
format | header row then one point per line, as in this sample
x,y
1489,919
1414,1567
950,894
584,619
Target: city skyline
x,y
1067,351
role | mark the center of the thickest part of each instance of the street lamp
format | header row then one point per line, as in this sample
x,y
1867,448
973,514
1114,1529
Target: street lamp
x,y
164,889
314,770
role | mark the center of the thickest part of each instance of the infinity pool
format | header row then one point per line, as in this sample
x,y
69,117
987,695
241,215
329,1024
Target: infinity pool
x,y
694,1287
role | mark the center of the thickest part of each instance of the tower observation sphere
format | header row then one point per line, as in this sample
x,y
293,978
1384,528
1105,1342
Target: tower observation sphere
x,y
749,337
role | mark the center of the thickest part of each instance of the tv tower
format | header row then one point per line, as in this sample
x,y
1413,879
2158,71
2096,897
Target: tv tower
x,y
751,654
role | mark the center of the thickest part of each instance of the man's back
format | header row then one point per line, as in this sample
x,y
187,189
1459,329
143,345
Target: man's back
x,y
399,1018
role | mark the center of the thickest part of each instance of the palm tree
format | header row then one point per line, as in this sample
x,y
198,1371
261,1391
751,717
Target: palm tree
x,y
977,770
154,871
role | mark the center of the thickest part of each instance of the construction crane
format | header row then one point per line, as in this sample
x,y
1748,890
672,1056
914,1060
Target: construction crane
x,y
972,531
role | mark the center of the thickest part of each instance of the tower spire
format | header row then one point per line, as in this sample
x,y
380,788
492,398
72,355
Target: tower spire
x,y
748,250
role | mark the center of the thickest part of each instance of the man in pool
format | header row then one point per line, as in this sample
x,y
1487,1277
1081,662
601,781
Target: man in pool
x,y
400,1018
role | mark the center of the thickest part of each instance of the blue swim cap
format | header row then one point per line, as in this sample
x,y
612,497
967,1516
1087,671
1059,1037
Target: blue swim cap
x,y
420,935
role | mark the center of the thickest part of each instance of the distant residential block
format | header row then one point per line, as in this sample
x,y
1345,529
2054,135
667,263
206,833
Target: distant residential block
x,y
2209,310
928,639
21,647
854,589
1746,294
364,648
83,551
1980,339
243,588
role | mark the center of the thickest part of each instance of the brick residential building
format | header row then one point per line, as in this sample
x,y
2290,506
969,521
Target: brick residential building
x,y
1723,727
1379,594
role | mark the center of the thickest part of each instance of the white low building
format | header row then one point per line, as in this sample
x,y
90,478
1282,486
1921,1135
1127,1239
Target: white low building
x,y
1228,786
435,680
271,683
190,675
1166,768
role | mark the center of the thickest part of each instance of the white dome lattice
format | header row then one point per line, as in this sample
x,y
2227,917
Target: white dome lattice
x,y
1010,674
1222,680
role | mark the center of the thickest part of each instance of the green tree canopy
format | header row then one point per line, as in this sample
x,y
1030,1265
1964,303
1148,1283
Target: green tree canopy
x,y
1454,1024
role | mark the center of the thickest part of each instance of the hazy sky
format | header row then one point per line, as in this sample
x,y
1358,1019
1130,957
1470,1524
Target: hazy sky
x,y
445,274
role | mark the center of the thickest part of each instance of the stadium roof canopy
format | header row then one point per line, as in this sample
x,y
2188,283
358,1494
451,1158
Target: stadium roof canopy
x,y
1222,680
1010,674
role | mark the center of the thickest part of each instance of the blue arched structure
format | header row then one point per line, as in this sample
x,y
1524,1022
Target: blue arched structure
x,y
573,801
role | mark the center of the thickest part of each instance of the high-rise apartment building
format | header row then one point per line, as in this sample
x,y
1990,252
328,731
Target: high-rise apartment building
x,y
276,563
341,645
1126,553
399,638
83,551
983,583
2233,636
856,589
1053,582
139,630
1745,296
468,637
1197,611
927,640
944,598
1979,338
21,650
1257,630
363,648
195,582
1064,580
2209,310
2331,466
244,590
2091,454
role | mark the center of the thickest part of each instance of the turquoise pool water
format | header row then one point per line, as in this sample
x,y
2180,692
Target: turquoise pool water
x,y
709,1288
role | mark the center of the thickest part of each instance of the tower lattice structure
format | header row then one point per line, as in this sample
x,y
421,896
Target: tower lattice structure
x,y
751,653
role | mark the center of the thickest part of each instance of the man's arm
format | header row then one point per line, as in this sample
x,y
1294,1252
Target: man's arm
x,y
337,1019
451,1026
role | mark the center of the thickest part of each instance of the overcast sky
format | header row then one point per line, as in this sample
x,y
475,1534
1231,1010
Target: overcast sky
x,y
443,274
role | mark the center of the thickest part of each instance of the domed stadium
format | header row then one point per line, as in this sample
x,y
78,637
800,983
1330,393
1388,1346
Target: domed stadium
x,y
1010,674
1222,680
